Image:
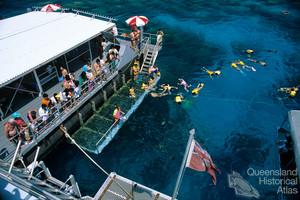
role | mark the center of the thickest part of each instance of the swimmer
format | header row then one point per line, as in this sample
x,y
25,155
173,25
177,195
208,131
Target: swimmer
x,y
249,51
196,90
239,63
291,91
244,66
235,66
262,63
166,88
132,93
212,73
179,98
155,94
184,84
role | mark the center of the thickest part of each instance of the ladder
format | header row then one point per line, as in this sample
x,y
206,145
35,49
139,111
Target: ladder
x,y
149,57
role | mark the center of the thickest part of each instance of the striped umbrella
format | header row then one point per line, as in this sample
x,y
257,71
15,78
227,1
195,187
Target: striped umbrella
x,y
51,8
137,21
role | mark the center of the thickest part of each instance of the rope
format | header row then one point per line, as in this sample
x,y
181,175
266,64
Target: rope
x,y
63,129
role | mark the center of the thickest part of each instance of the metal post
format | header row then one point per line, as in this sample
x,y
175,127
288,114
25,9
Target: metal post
x,y
34,162
182,168
91,56
123,79
115,86
104,95
80,119
15,155
141,39
93,106
75,186
38,82
67,65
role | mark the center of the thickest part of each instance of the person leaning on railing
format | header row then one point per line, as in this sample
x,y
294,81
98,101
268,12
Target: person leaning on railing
x,y
10,131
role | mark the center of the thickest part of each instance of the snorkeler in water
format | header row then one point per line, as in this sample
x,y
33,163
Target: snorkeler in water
x,y
240,64
179,98
292,92
184,84
196,90
211,72
247,67
262,63
167,88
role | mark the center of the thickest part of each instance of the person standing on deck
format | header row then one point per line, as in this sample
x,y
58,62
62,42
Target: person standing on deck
x,y
117,114
10,130
159,37
135,36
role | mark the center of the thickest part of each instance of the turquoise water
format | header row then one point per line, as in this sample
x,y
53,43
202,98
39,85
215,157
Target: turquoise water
x,y
236,115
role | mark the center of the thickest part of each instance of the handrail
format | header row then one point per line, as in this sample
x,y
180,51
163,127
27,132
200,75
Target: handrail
x,y
77,11
34,162
107,132
145,57
60,109
14,158
151,36
63,129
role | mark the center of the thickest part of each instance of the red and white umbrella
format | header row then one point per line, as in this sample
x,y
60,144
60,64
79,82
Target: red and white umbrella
x,y
51,8
137,21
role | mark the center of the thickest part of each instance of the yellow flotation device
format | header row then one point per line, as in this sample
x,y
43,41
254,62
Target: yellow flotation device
x,y
209,72
234,65
249,51
241,63
293,93
178,99
196,90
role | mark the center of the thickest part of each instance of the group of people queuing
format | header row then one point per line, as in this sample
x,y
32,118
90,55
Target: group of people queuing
x,y
51,107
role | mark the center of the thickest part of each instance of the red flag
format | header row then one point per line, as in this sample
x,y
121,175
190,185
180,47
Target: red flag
x,y
199,160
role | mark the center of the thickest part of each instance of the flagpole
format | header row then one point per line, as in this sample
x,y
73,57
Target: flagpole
x,y
180,175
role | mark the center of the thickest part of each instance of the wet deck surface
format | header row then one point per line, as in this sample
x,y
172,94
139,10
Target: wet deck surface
x,y
96,133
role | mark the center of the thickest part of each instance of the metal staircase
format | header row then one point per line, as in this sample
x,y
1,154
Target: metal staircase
x,y
150,56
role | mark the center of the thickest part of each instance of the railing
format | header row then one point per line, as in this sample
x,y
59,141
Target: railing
x,y
106,133
43,189
59,111
82,12
124,33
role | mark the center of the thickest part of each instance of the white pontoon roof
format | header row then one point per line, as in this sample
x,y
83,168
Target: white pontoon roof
x,y
34,38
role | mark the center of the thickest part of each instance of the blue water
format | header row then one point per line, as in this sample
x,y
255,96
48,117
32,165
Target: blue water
x,y
236,115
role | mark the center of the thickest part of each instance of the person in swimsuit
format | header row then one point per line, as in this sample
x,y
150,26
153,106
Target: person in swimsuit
x,y
184,84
